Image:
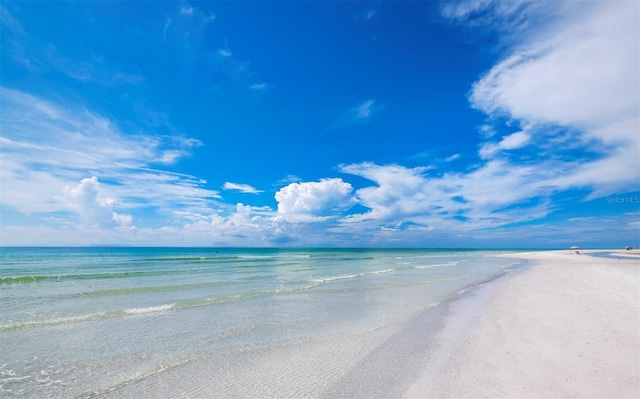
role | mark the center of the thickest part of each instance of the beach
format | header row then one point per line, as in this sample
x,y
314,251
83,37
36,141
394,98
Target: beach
x,y
568,326
251,323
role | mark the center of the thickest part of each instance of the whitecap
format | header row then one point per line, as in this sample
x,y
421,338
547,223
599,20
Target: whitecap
x,y
150,309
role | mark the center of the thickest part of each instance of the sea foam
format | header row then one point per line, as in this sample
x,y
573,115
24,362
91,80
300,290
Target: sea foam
x,y
150,309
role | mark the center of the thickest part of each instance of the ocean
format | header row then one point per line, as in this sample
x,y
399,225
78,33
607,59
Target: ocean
x,y
205,322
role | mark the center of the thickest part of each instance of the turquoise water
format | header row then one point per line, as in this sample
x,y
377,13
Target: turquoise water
x,y
92,321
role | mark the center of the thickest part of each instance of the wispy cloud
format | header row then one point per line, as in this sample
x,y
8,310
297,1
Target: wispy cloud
x,y
363,111
47,148
167,24
452,158
259,86
575,81
244,188
186,9
44,59
513,18
226,75
453,202
357,115
509,142
372,11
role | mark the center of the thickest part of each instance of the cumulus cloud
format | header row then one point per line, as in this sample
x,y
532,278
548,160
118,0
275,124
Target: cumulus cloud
x,y
84,200
122,219
327,197
244,188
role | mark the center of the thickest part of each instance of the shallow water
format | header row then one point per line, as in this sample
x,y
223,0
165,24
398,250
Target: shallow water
x,y
131,322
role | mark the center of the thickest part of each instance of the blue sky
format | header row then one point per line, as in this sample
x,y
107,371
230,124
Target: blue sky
x,y
296,124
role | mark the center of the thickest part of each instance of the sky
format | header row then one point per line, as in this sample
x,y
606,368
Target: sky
x,y
474,124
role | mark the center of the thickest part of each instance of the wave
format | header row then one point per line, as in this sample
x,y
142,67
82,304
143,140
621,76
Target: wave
x,y
127,312
83,276
349,276
436,265
26,279
150,309
140,290
86,317
8,280
53,322
185,258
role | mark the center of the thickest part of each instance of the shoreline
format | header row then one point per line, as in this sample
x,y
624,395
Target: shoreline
x,y
544,324
566,326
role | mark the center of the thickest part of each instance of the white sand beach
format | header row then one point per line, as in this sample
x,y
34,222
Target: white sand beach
x,y
568,326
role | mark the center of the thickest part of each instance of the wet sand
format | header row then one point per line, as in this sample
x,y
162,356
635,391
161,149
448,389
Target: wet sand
x,y
567,326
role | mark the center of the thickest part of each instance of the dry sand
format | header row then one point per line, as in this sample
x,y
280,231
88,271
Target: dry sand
x,y
568,326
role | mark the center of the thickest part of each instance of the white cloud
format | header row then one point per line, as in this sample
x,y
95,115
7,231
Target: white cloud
x,y
327,197
514,141
453,201
574,81
84,200
169,157
245,188
510,18
210,18
399,192
167,24
359,114
239,74
452,157
186,9
122,219
364,110
581,73
46,147
510,142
